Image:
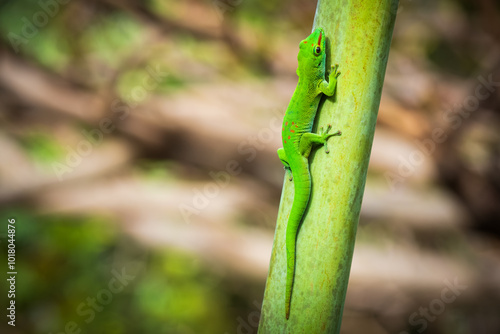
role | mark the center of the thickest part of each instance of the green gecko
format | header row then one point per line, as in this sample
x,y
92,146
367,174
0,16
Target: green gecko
x,y
298,139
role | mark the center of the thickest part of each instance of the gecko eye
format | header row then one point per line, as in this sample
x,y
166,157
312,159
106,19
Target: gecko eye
x,y
317,50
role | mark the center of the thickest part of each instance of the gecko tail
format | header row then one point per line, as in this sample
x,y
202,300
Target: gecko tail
x,y
301,198
291,239
289,283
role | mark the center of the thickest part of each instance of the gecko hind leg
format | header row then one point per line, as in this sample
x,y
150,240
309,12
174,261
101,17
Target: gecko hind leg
x,y
284,161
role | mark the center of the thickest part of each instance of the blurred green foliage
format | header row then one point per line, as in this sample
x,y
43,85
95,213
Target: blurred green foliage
x,y
62,261
112,38
43,148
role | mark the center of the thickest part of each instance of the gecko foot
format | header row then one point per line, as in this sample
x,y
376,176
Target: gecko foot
x,y
289,171
335,71
327,135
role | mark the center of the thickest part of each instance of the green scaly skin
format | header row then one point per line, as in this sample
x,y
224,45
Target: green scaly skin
x,y
298,140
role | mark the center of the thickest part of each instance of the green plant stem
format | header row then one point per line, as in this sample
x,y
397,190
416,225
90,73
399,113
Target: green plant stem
x,y
359,34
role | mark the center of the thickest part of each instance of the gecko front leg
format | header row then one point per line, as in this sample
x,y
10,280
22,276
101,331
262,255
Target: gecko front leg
x,y
328,88
309,139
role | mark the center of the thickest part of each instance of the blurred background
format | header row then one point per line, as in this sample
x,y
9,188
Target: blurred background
x,y
138,159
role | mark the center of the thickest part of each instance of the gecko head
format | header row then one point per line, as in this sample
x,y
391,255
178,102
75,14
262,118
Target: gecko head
x,y
312,51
